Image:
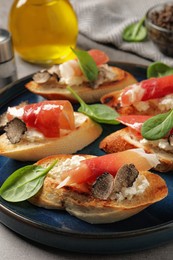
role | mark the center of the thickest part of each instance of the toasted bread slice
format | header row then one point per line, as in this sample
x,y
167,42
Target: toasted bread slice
x,y
124,139
88,208
54,90
150,97
86,132
112,99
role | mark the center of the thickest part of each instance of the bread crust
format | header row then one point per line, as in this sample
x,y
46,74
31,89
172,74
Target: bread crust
x,y
27,150
84,206
54,90
124,139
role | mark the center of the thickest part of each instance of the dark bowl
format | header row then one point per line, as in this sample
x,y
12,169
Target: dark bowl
x,y
159,23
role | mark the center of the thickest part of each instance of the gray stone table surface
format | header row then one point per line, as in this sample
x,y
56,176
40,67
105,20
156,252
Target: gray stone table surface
x,y
12,245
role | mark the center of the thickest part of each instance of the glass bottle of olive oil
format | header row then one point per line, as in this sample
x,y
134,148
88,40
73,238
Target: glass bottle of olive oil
x,y
43,30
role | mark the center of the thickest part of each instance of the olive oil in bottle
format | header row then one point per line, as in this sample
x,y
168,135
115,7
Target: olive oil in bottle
x,y
43,31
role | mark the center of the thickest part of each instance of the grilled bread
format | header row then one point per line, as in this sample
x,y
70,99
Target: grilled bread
x,y
34,131
148,97
82,202
112,99
126,138
54,89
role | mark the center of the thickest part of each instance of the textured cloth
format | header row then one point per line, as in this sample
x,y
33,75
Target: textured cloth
x,y
103,21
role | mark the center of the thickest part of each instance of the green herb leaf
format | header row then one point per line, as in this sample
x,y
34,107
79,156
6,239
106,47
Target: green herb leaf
x,y
87,64
135,32
157,126
98,112
24,182
158,69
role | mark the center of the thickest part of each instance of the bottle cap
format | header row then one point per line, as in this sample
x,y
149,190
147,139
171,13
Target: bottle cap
x,y
6,49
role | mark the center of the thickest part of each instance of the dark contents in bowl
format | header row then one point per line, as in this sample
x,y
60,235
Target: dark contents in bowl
x,y
159,22
163,18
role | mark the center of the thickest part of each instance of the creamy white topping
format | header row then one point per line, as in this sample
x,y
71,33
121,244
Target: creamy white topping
x,y
166,103
163,104
134,93
33,135
70,73
161,143
66,165
106,73
138,187
79,119
15,111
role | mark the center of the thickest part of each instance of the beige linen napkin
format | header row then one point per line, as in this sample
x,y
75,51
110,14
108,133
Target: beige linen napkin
x,y
103,21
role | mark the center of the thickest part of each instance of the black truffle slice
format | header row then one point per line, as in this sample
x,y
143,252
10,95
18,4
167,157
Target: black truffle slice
x,y
15,130
103,186
125,177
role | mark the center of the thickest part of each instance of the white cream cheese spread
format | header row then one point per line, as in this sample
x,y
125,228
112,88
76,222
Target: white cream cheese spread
x,y
161,143
138,187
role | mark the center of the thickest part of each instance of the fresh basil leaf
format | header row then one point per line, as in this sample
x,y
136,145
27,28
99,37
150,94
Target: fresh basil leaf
x,y
158,69
98,112
24,183
87,64
157,126
135,32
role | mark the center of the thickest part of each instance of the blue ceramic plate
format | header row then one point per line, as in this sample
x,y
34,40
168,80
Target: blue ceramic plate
x,y
150,228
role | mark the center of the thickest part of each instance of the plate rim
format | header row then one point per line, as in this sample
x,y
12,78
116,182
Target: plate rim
x,y
101,235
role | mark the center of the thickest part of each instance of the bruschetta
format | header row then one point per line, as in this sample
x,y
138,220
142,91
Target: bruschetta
x,y
130,137
51,83
148,97
101,189
34,131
